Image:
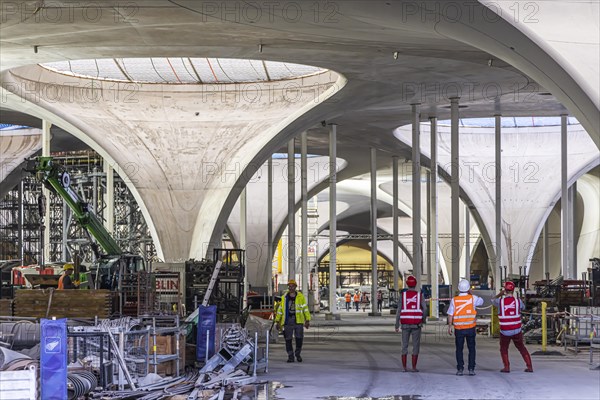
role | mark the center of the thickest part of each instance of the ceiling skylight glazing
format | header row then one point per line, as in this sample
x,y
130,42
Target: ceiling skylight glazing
x,y
512,122
183,70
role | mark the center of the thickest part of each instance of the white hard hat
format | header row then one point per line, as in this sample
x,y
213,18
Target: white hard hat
x,y
464,285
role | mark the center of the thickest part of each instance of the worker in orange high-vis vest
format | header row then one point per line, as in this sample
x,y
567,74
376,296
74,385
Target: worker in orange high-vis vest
x,y
509,315
356,299
411,316
65,281
348,298
461,316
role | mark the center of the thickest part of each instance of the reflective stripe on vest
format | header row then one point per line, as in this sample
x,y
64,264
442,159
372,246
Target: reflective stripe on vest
x,y
411,313
464,312
509,314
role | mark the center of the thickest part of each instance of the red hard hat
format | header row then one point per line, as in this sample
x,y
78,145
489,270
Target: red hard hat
x,y
510,286
411,281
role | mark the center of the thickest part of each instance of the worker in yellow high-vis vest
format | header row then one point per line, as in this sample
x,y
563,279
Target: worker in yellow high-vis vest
x,y
293,315
461,316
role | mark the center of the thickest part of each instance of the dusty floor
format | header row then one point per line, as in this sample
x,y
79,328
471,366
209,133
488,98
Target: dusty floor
x,y
358,357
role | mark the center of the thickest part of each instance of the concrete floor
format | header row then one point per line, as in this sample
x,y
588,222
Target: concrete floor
x,y
358,357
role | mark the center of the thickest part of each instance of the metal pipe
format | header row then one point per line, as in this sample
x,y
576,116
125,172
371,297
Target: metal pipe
x,y
373,229
395,222
434,219
564,200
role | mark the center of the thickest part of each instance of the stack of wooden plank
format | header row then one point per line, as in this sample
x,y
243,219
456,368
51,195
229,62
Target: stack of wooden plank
x,y
63,303
6,307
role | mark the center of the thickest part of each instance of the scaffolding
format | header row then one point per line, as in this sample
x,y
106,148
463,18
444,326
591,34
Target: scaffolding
x,y
20,222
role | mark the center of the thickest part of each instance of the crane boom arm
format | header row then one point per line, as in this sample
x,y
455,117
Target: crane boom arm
x,y
57,179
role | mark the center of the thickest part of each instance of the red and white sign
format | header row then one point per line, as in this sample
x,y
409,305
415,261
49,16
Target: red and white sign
x,y
167,283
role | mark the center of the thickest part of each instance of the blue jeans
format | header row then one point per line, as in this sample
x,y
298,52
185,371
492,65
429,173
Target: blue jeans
x,y
459,339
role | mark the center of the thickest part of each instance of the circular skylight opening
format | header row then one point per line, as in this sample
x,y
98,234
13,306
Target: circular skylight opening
x,y
182,70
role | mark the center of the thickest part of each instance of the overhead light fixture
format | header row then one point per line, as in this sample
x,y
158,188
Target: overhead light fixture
x,y
396,55
260,47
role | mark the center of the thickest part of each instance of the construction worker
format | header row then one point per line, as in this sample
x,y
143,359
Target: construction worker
x,y
65,281
356,299
461,316
411,316
509,314
294,316
348,298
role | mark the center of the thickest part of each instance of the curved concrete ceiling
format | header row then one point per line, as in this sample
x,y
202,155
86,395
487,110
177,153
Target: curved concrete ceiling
x,y
392,53
181,147
529,180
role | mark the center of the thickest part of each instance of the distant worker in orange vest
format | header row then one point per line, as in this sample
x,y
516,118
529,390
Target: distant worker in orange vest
x,y
462,315
348,298
509,314
410,316
356,299
65,281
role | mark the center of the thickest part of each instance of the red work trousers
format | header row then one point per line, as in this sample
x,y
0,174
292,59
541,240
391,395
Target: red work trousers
x,y
518,341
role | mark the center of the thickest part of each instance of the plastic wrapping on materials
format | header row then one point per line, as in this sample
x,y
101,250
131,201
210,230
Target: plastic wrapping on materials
x,y
207,321
53,359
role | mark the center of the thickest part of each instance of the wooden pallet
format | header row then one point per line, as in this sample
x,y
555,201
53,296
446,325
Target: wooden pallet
x,y
64,303
6,307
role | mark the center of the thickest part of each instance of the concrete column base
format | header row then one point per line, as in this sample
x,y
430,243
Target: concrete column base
x,y
374,314
331,316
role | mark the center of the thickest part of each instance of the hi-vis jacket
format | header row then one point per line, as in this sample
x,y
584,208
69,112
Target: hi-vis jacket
x,y
464,311
302,313
509,313
411,312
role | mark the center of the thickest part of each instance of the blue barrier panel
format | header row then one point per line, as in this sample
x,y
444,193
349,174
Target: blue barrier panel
x,y
207,321
53,359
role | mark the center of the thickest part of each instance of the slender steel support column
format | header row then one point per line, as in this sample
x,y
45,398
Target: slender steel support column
x,y
395,222
374,284
416,194
435,256
455,192
109,198
65,231
291,209
572,239
428,220
564,201
467,243
304,190
332,216
243,238
498,200
45,251
545,251
270,244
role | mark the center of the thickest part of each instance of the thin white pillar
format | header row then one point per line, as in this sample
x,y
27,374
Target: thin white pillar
x,y
564,201
374,285
416,193
270,247
467,243
395,221
545,251
428,221
455,192
45,250
304,190
332,216
243,239
572,239
498,201
291,187
435,270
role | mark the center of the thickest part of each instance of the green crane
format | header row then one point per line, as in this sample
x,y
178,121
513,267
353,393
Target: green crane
x,y
114,261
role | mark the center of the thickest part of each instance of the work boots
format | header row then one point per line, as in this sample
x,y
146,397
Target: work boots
x,y
415,357
527,359
505,362
404,356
